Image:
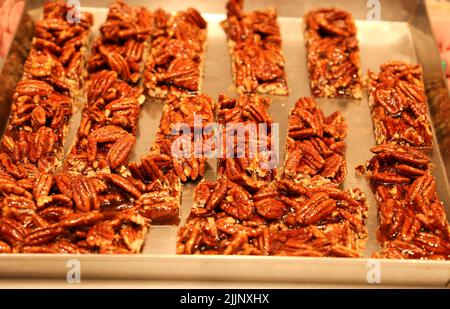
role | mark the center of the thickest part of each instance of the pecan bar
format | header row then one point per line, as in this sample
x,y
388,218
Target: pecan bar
x,y
333,54
184,131
227,219
336,240
224,220
175,63
399,108
334,220
248,156
155,177
59,49
107,130
124,42
254,43
412,219
35,133
42,103
315,150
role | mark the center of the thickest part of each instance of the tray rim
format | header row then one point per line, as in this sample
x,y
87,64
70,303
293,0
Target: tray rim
x,y
242,269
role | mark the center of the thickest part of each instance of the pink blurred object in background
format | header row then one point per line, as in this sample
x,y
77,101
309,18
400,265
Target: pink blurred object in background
x,y
10,13
439,12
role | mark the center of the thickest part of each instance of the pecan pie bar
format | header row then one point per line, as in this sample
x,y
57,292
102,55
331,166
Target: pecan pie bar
x,y
124,42
175,63
254,43
315,150
314,168
224,220
59,49
248,156
399,108
412,219
227,219
333,54
184,132
107,131
106,135
336,219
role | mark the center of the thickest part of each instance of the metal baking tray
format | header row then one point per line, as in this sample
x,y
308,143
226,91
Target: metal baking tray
x,y
403,33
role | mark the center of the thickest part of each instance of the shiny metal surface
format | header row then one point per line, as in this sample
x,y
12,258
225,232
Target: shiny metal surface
x,y
403,33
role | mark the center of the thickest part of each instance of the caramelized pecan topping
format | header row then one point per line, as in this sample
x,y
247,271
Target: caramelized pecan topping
x,y
399,107
333,54
315,151
254,41
176,58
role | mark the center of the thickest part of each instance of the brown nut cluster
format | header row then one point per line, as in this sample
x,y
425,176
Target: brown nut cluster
x,y
175,63
254,43
245,156
336,240
224,220
37,126
184,129
412,219
333,54
124,42
42,103
412,223
59,48
65,213
330,221
160,188
228,219
107,131
315,150
399,108
181,113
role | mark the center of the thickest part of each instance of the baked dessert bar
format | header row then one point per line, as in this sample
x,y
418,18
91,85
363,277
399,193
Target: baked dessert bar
x,y
255,46
334,64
